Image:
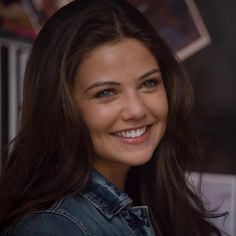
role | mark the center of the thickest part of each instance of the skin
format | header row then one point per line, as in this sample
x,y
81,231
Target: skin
x,y
119,88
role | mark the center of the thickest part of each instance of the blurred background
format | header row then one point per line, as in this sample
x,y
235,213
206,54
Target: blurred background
x,y
201,32
213,74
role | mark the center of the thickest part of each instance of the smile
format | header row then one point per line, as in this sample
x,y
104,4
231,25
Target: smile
x,y
133,133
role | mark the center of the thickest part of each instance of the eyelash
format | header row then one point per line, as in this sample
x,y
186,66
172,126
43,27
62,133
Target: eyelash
x,y
105,93
150,83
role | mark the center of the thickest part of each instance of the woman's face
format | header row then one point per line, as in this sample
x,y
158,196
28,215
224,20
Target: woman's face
x,y
122,99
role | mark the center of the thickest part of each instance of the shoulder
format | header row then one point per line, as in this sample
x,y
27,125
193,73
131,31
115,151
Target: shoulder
x,y
54,221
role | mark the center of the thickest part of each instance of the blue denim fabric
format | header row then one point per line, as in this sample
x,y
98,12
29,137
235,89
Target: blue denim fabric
x,y
101,210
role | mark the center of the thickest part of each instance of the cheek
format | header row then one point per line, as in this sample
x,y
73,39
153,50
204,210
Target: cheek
x,y
163,109
98,117
158,106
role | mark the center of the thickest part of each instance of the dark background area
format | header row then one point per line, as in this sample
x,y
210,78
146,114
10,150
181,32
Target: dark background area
x,y
213,74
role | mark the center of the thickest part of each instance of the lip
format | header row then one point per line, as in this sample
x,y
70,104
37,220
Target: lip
x,y
136,140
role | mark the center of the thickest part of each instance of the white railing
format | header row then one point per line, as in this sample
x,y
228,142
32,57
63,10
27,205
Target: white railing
x,y
13,58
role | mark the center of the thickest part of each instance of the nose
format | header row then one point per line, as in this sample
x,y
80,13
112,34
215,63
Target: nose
x,y
133,107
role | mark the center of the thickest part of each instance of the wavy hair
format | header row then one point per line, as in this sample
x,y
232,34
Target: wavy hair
x,y
52,153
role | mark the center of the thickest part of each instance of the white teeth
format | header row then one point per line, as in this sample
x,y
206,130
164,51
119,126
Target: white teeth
x,y
138,132
132,133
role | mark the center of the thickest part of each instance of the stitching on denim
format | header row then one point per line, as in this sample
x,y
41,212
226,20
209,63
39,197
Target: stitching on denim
x,y
59,212
68,216
105,210
56,205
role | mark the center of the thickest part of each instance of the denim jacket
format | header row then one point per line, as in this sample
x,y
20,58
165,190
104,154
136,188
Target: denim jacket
x,y
101,210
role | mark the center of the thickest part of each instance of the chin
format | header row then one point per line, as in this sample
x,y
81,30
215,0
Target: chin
x,y
140,160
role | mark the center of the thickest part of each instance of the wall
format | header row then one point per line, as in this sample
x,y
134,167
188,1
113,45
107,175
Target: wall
x,y
213,73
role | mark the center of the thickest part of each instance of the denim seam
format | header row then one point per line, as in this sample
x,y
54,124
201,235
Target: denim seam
x,y
60,213
104,209
68,216
97,204
74,219
56,205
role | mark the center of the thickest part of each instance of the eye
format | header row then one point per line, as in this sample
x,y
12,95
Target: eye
x,y
105,93
151,83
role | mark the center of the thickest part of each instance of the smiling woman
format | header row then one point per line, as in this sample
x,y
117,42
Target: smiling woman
x,y
105,137
127,92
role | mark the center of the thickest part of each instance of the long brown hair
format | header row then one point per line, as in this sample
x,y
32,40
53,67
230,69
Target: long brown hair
x,y
52,153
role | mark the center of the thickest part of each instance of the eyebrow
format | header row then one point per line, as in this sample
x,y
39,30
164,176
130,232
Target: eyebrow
x,y
109,83
147,74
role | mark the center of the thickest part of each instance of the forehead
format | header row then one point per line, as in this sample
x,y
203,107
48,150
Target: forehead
x,y
128,58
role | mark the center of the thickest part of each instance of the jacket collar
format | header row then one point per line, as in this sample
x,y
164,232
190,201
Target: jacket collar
x,y
108,199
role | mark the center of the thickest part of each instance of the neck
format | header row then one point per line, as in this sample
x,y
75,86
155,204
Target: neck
x,y
117,174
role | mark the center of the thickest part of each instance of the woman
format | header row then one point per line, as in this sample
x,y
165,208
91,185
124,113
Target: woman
x,y
106,118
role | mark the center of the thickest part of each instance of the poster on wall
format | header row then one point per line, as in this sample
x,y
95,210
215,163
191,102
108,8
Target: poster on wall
x,y
40,10
178,22
14,21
